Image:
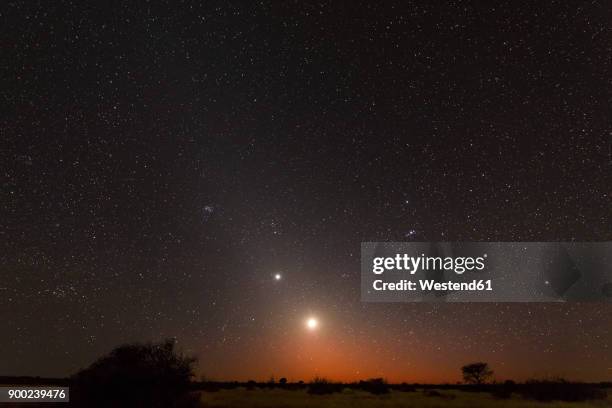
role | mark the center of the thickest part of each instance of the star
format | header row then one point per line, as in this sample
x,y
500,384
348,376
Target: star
x,y
410,233
312,323
207,212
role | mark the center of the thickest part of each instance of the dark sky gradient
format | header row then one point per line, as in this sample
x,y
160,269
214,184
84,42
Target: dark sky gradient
x,y
161,162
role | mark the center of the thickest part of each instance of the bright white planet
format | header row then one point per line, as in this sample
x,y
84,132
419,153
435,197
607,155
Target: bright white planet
x,y
312,323
277,276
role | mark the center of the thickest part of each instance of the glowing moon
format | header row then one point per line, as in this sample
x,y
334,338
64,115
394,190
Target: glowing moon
x,y
312,323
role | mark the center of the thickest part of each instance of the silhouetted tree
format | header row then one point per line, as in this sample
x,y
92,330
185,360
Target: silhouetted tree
x,y
476,373
136,375
282,381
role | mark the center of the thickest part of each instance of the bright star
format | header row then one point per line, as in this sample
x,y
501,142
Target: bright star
x,y
277,277
312,323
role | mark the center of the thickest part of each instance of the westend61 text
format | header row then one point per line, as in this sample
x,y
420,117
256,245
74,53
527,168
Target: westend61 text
x,y
431,285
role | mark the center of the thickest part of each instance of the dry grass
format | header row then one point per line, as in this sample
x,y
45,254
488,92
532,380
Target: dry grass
x,y
269,398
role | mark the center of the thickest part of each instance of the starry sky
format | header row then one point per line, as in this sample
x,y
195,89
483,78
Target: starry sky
x,y
163,161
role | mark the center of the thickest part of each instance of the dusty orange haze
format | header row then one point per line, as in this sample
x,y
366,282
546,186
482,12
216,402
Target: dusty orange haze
x,y
306,355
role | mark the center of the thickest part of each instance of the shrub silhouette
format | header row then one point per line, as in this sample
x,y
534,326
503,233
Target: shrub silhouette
x,y
504,390
561,390
376,386
321,386
136,375
282,382
476,373
405,387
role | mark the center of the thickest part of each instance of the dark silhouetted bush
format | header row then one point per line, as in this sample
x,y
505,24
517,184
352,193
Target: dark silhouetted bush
x,y
503,390
501,393
321,386
376,386
405,387
136,375
561,390
282,381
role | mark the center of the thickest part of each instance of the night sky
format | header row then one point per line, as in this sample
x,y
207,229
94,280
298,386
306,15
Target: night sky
x,y
162,163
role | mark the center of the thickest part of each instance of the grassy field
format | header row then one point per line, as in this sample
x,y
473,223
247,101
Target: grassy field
x,y
268,398
276,397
